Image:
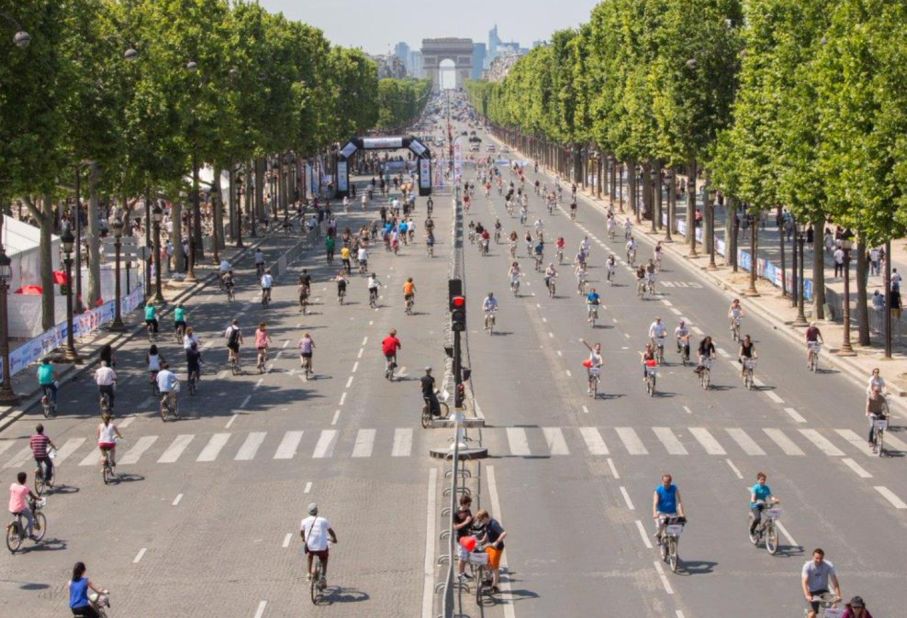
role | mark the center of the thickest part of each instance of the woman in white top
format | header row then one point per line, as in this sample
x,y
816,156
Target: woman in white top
x,y
875,381
154,360
107,439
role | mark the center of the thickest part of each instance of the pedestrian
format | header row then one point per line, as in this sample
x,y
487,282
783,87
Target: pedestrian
x,y
895,279
489,532
810,236
875,257
895,301
828,240
838,257
462,523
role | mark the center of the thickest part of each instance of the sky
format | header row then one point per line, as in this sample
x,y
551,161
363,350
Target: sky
x,y
376,25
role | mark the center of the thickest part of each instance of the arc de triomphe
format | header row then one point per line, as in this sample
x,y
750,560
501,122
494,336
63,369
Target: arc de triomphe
x,y
435,51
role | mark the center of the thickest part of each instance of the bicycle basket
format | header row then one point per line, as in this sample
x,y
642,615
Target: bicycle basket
x,y
880,424
774,513
674,529
478,557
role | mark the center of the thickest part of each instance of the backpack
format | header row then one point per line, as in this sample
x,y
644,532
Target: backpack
x,y
234,337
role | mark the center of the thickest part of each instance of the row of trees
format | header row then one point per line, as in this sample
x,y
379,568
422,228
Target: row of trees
x,y
140,93
774,103
400,101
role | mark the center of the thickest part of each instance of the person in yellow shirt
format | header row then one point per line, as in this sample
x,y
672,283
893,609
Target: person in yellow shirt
x,y
409,294
345,258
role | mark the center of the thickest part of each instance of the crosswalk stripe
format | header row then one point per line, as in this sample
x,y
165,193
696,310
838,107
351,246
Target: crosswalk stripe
x,y
68,448
403,442
855,440
670,441
707,440
822,443
365,443
288,445
248,449
895,444
212,449
784,443
744,441
5,445
519,444
92,458
631,441
325,446
594,441
176,448
20,458
141,445
555,439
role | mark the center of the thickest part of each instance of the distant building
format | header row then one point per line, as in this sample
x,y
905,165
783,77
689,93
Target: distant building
x,y
401,51
478,60
501,65
415,64
390,66
538,44
493,41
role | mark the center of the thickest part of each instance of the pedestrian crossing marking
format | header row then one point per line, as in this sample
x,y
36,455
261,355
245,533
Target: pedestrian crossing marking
x,y
631,441
20,458
325,446
707,440
68,448
288,445
554,437
141,445
365,443
594,441
176,448
895,444
744,441
858,443
822,443
784,443
670,441
403,442
92,458
519,443
5,445
212,449
248,449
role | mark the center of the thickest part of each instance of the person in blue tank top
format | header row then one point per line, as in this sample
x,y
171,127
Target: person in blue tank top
x,y
666,501
78,592
761,497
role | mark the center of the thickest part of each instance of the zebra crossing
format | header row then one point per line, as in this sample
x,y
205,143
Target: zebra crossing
x,y
516,441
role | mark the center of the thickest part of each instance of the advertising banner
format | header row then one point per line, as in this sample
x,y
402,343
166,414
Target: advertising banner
x,y
343,178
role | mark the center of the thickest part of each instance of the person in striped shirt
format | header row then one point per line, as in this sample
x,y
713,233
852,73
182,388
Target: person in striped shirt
x,y
39,443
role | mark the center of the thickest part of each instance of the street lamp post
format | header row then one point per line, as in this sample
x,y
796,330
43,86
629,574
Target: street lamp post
x,y
117,226
800,283
21,38
158,215
69,348
710,223
239,198
7,395
846,348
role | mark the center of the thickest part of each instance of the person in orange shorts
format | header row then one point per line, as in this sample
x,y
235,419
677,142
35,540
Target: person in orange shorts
x,y
490,532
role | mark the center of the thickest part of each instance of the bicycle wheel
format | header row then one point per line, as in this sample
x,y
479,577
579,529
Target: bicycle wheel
x,y
445,409
479,575
13,537
663,547
755,535
40,484
880,437
40,528
426,416
771,539
651,386
106,473
163,410
673,558
313,584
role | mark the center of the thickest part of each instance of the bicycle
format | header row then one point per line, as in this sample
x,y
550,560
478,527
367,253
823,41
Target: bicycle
x,y
592,314
489,322
668,538
813,355
100,602
16,530
767,531
42,484
705,372
660,350
179,332
108,473
341,296
317,583
683,348
651,369
193,382
373,298
389,367
631,257
640,288
879,427
515,286
149,331
595,376
262,362
551,287
235,369
169,407
611,275
104,403
48,407
265,297
231,294
560,256
444,410
749,365
408,305
538,262
307,367
304,304
826,601
478,566
735,328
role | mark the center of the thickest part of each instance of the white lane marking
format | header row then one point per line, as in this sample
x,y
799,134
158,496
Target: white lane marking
x,y
336,416
784,443
127,422
822,443
897,443
505,578
308,487
675,311
545,320
176,448
177,499
666,302
891,497
698,330
594,442
679,614
364,341
855,440
559,353
623,492
349,381
92,458
133,454
403,442
365,443
139,555
670,441
744,441
631,441
555,439
585,410
288,445
361,350
786,534
519,443
245,401
723,353
257,384
21,457
342,398
643,535
261,609
212,449
550,334
355,367
687,409
287,539
250,446
325,446
627,335
231,421
734,468
795,415
68,448
286,343
707,440
428,564
857,468
663,578
569,375
773,396
613,468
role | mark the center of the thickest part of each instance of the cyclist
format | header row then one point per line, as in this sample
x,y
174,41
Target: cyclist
x,y
306,351
650,275
19,495
611,225
389,347
573,209
560,244
514,274
611,265
628,229
305,284
747,352
266,282
179,318
876,408
585,246
107,434
735,312
79,603
580,259
345,257
151,316
657,330
409,292
234,340
631,250
193,362
682,337
224,267
647,354
315,532
106,379
259,262
592,302
428,392
167,381
153,359
341,285
658,254
490,532
814,579
539,252
640,279
362,258
373,285
595,361
539,226
490,304
497,230
262,342
813,338
581,275
39,443
227,279
760,497
856,608
190,338
666,502
550,275
46,379
706,352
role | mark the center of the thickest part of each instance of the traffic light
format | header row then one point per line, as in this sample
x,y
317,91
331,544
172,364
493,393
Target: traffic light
x,y
458,313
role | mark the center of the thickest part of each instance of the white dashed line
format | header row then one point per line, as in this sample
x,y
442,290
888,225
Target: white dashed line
x,y
286,343
698,330
559,353
891,497
623,492
342,398
545,320
127,421
349,381
675,311
361,350
687,409
336,416
663,578
177,499
287,539
643,535
666,302
723,353
613,468
139,555
245,401
795,415
550,334
585,410
773,396
365,340
355,366
260,380
786,534
569,375
734,468
308,487
857,468
261,609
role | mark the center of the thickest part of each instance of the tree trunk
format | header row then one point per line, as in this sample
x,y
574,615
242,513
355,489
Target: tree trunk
x,y
671,228
217,205
862,298
93,238
657,188
691,207
730,232
43,213
631,189
178,258
818,272
259,191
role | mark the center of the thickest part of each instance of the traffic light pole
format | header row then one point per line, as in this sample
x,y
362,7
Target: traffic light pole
x,y
458,374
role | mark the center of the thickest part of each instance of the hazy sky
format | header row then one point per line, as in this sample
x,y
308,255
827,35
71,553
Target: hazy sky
x,y
375,25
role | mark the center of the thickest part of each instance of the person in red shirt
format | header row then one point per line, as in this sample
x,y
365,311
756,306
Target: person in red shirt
x,y
39,443
389,347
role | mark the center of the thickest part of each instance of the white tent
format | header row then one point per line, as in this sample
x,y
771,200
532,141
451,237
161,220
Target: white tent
x,y
21,242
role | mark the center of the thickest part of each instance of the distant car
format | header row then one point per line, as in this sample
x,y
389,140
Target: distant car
x,y
475,139
474,148
491,148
